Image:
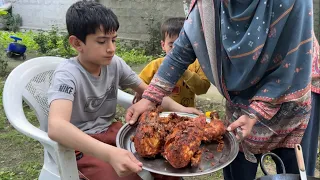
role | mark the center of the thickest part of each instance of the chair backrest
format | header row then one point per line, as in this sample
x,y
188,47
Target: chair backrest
x,y
36,75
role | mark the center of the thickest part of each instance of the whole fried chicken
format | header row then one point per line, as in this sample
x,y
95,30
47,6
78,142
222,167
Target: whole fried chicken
x,y
150,134
183,145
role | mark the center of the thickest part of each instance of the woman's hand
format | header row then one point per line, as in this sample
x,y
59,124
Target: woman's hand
x,y
245,123
134,111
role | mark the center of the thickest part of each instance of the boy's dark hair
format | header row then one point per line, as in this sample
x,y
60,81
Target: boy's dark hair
x,y
172,27
85,17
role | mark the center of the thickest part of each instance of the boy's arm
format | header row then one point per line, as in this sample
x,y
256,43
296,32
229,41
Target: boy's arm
x,y
60,97
196,81
61,130
168,104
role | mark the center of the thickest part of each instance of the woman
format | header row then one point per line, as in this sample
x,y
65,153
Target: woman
x,y
258,54
310,138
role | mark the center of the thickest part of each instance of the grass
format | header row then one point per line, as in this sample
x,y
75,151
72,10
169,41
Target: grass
x,y
20,156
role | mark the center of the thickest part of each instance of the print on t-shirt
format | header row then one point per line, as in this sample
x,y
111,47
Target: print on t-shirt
x,y
93,104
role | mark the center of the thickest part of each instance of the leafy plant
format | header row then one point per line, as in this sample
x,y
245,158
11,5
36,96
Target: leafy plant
x,y
54,43
3,64
13,22
42,40
2,12
154,47
134,56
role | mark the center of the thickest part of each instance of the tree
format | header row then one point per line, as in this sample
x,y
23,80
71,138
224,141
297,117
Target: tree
x,y
186,5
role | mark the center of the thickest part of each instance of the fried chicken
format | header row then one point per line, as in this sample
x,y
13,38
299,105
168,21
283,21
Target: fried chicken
x,y
150,134
183,144
215,129
176,138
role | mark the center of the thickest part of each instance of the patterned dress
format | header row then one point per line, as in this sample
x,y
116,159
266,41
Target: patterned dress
x,y
258,53
315,86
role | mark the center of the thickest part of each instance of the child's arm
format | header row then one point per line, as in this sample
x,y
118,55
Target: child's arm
x,y
168,104
196,81
62,131
61,96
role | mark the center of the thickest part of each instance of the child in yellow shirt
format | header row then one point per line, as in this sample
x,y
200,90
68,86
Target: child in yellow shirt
x,y
193,81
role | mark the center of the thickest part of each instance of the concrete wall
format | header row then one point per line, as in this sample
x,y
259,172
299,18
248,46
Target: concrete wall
x,y
135,16
42,14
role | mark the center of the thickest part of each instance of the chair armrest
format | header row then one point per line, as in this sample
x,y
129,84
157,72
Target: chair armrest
x,y
63,157
124,99
20,123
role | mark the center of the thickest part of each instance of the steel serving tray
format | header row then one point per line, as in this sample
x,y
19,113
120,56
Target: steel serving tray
x,y
159,165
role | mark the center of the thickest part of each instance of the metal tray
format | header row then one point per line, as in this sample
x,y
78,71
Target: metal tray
x,y
161,166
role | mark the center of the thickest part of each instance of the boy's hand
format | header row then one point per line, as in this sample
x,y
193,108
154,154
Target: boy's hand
x,y
191,110
137,97
245,123
124,162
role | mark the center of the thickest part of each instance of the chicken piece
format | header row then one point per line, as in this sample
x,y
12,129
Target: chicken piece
x,y
196,159
149,137
214,130
171,121
214,115
183,145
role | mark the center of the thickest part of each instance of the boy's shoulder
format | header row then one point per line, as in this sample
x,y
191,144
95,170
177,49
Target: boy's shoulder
x,y
70,66
73,67
116,60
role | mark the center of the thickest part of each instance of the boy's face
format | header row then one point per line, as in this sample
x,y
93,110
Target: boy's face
x,y
168,43
99,48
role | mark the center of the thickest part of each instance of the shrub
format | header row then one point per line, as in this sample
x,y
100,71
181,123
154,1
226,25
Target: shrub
x,y
3,64
56,43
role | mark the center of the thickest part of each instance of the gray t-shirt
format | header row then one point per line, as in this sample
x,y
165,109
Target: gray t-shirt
x,y
94,98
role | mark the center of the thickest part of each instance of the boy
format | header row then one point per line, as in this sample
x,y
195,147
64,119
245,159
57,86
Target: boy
x,y
193,81
83,95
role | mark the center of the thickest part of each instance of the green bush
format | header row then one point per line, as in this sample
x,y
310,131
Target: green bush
x,y
3,64
133,56
56,43
13,22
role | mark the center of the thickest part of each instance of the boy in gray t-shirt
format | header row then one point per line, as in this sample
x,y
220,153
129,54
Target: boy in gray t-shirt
x,y
83,95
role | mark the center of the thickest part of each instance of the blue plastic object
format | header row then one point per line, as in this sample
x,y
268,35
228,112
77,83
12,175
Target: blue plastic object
x,y
16,39
16,49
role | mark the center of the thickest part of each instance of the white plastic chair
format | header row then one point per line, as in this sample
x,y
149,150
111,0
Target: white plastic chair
x,y
30,82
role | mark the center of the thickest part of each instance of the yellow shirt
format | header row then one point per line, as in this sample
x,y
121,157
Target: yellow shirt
x,y
193,82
